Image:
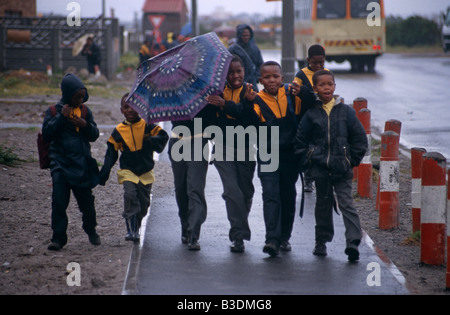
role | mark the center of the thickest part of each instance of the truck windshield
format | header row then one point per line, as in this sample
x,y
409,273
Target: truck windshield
x,y
447,20
331,9
359,8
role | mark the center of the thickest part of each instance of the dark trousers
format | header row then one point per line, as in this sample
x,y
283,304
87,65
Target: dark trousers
x,y
190,182
136,200
237,180
279,197
60,202
324,210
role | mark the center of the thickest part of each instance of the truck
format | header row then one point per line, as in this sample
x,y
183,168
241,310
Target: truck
x,y
349,30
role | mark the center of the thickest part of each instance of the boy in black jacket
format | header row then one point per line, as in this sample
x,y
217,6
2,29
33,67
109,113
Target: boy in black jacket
x,y
70,127
331,141
137,141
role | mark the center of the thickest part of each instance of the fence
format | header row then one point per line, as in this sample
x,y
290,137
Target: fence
x,y
35,43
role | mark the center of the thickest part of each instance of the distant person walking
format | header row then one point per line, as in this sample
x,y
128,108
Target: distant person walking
x,y
93,54
248,51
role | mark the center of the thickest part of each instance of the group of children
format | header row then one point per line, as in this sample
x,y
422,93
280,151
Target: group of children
x,y
317,134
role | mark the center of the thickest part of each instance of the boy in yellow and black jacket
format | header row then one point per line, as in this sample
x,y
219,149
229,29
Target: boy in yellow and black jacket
x,y
279,105
137,141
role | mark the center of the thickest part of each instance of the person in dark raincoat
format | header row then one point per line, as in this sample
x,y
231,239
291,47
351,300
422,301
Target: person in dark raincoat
x,y
69,126
250,54
93,54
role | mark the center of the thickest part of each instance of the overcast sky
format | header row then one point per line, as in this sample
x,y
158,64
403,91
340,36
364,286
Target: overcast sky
x,y
125,9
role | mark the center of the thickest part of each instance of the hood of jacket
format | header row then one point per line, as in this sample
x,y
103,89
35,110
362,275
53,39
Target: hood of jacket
x,y
69,85
240,30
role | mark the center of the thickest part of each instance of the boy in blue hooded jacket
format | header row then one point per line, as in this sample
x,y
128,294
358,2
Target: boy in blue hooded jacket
x,y
70,127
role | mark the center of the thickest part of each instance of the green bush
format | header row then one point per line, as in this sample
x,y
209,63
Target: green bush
x,y
413,31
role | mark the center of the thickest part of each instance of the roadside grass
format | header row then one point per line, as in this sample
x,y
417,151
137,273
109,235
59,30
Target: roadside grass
x,y
8,157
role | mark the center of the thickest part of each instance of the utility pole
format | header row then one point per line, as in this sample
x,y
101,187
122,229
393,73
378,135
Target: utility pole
x,y
103,13
194,16
288,41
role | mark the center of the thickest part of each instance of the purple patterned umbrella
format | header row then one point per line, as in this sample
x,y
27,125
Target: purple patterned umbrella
x,y
174,85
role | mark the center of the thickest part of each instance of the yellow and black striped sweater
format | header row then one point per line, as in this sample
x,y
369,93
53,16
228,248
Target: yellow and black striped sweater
x,y
137,142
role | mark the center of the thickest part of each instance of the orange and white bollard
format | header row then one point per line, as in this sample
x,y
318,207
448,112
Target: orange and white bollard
x,y
393,125
49,70
365,168
97,71
358,104
433,206
448,235
416,186
389,181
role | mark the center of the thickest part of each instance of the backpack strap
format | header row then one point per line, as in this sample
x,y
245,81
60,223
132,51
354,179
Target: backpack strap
x,y
84,111
53,111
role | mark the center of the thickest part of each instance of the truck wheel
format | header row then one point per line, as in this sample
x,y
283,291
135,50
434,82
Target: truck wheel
x,y
370,62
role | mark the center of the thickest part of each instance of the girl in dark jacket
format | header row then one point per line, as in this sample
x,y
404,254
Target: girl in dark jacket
x,y
70,128
331,141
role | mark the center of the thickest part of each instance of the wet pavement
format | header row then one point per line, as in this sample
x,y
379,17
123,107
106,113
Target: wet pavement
x,y
161,265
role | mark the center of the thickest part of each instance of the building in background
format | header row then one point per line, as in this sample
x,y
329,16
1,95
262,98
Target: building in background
x,y
18,8
161,17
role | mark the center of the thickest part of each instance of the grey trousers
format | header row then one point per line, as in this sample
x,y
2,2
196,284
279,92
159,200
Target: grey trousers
x,y
238,191
324,211
136,200
190,182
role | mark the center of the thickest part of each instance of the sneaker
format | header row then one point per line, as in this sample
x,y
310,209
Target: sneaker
x,y
272,249
194,245
320,249
309,186
352,253
54,246
237,246
94,239
184,238
286,246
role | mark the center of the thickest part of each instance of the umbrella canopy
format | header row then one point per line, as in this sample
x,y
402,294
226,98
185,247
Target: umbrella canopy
x,y
79,44
175,84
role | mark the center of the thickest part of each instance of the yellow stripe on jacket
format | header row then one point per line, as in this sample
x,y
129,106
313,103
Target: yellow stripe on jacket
x,y
278,104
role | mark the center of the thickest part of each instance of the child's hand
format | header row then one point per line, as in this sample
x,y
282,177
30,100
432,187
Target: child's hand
x,y
216,100
250,94
295,88
66,111
77,121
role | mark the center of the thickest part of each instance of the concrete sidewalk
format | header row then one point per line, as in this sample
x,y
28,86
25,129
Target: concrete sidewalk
x,y
163,266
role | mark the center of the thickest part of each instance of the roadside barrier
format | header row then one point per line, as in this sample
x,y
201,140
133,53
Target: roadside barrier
x,y
416,186
389,181
365,168
359,103
395,126
433,206
448,235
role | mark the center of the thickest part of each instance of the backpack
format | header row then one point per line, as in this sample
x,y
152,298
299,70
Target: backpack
x,y
44,146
